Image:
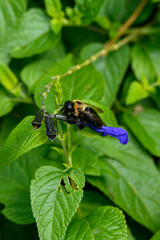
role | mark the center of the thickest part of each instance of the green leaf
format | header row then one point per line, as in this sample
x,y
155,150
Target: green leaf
x,y
112,68
7,124
6,103
87,9
53,8
59,68
10,16
142,64
83,84
55,204
153,50
22,139
34,38
7,78
136,92
121,10
32,72
56,25
14,187
104,223
146,128
156,236
128,175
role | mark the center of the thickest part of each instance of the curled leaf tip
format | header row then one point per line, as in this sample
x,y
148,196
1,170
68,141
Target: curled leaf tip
x,y
119,133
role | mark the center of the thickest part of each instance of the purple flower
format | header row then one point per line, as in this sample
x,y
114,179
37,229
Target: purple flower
x,y
119,133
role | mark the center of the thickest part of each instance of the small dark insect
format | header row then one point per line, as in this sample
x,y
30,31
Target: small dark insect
x,y
37,122
80,113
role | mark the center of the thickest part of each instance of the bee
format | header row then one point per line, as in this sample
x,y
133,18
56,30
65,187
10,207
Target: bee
x,y
80,113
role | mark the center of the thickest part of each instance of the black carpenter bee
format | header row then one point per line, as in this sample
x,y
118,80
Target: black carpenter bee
x,y
80,113
37,122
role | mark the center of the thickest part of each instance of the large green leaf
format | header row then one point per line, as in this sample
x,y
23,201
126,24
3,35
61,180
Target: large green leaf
x,y
128,177
11,13
14,187
32,72
87,10
22,139
55,201
104,223
86,83
59,68
112,68
156,236
33,37
6,103
146,128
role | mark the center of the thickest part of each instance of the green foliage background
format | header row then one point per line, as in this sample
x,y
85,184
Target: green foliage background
x,y
109,191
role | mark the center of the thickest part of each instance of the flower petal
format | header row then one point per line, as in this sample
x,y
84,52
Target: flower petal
x,y
119,133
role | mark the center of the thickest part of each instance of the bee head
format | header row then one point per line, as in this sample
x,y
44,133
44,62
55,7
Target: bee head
x,y
69,107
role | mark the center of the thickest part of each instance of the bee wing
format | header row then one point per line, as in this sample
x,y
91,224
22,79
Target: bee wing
x,y
97,109
92,117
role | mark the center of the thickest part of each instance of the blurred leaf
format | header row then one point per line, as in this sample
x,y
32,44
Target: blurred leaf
x,y
104,22
32,72
153,51
112,68
142,64
156,236
104,223
56,25
33,37
22,139
11,13
146,128
128,177
6,126
136,92
14,187
7,78
59,68
53,202
121,10
53,8
87,10
6,103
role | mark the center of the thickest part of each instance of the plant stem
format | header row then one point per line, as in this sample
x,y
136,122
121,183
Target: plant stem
x,y
69,145
63,143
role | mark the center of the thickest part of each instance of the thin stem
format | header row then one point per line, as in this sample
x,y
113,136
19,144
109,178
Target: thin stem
x,y
69,145
63,143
